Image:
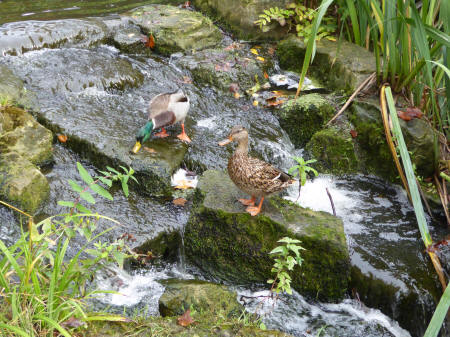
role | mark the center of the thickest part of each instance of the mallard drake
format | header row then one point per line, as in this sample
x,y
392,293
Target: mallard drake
x,y
252,175
164,110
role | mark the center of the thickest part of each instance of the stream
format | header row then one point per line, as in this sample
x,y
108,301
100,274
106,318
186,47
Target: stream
x,y
71,87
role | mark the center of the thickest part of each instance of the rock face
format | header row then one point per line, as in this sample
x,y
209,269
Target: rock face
x,y
219,68
375,155
343,70
203,296
175,29
17,38
240,16
223,239
302,117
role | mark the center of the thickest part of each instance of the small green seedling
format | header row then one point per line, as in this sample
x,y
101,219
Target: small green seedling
x,y
301,169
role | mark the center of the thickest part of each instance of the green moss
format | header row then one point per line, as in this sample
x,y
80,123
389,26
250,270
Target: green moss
x,y
334,151
304,116
224,240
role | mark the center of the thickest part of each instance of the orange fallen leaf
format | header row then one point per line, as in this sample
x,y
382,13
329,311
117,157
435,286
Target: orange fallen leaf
x,y
236,95
353,133
185,319
62,138
149,149
259,58
179,201
275,102
255,103
148,41
266,75
410,113
187,4
183,185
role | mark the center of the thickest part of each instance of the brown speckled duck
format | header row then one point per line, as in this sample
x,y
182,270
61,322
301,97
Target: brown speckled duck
x,y
252,175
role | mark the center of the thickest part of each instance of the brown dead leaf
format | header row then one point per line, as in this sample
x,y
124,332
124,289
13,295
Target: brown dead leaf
x,y
223,67
149,41
271,51
410,113
179,201
266,75
149,149
185,319
62,138
72,322
234,87
236,95
186,80
353,133
233,46
187,4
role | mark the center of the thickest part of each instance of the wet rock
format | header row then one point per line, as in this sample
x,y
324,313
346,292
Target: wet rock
x,y
163,247
344,70
224,240
75,70
22,183
12,88
304,116
17,38
20,133
375,155
175,29
210,298
334,150
239,16
220,68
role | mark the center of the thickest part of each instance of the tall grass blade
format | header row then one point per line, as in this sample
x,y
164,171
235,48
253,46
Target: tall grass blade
x,y
354,19
439,314
54,325
14,329
12,260
311,46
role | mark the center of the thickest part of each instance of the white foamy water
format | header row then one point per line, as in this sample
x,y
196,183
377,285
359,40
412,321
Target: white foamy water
x,y
181,178
292,314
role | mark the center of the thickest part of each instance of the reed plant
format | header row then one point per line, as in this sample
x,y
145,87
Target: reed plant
x,y
43,291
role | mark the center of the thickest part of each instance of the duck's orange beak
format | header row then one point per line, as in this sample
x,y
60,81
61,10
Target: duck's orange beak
x,y
226,141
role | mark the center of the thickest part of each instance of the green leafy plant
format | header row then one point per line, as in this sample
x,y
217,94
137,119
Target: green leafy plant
x,y
297,16
285,262
301,170
43,290
4,102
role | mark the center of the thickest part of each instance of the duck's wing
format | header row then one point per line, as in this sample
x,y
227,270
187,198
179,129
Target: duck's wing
x,y
269,176
163,119
158,105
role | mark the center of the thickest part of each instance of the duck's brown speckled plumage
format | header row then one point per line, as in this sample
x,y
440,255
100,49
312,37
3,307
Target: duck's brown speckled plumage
x,y
252,175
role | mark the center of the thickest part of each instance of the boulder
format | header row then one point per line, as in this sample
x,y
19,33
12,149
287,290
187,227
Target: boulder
x,y
334,150
239,16
212,299
175,29
304,116
220,68
22,183
343,68
374,152
224,240
12,88
20,133
17,38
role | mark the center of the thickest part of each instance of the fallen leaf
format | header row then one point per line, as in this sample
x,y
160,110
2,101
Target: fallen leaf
x,y
236,95
410,113
72,322
353,133
223,67
233,46
274,101
62,138
149,149
266,75
185,319
148,41
254,51
255,103
259,58
179,201
183,185
234,87
271,51
187,4
187,80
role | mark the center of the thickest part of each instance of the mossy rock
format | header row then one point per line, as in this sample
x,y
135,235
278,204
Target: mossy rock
x,y
374,152
239,16
207,298
17,38
20,133
219,68
304,116
334,150
175,29
12,88
22,183
224,240
164,247
340,66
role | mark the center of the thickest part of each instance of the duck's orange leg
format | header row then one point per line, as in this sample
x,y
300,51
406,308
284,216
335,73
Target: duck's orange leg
x,y
183,136
248,202
162,134
255,210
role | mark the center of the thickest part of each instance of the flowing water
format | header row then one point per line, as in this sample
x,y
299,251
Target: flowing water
x,y
76,87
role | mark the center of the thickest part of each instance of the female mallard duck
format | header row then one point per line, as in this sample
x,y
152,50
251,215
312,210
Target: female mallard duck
x,y
164,109
252,175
